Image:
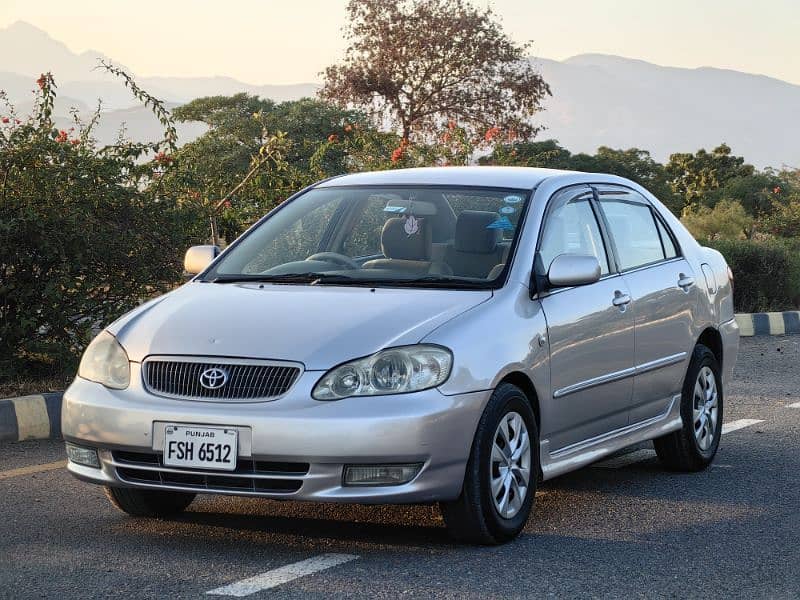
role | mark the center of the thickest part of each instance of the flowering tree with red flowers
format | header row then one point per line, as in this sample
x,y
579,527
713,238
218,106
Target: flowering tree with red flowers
x,y
419,63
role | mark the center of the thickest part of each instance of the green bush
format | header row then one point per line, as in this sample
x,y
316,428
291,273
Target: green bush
x,y
766,273
83,236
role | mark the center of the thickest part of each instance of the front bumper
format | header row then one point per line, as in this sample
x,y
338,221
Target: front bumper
x,y
423,427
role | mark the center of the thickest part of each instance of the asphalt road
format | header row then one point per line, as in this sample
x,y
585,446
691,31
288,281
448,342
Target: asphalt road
x,y
621,528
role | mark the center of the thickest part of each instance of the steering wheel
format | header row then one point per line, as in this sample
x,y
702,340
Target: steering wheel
x,y
336,258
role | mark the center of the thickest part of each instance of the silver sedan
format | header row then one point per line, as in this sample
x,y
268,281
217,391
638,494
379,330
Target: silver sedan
x,y
451,335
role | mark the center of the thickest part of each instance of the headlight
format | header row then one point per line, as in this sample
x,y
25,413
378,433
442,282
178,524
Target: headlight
x,y
393,371
105,362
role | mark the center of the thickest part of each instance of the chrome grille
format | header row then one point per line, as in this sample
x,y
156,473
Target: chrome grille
x,y
246,381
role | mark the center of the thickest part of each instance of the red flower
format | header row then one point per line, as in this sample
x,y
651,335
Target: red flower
x,y
398,152
6,119
777,190
333,137
75,142
491,133
451,124
162,159
41,81
62,137
446,137
227,204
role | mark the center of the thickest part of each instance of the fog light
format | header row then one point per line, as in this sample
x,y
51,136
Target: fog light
x,y
83,456
380,474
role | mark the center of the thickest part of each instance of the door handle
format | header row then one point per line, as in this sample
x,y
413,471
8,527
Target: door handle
x,y
621,300
685,282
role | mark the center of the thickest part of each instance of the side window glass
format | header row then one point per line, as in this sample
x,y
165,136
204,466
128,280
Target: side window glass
x,y
633,228
571,228
666,239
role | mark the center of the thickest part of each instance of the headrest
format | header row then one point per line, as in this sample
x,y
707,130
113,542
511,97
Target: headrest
x,y
472,234
406,241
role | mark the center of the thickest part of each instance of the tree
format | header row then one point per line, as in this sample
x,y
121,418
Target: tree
x,y
255,154
728,220
692,176
420,63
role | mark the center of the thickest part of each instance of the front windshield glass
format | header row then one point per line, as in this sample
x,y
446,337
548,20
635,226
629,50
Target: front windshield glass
x,y
408,236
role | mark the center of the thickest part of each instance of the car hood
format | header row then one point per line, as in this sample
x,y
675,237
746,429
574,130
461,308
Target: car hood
x,y
319,326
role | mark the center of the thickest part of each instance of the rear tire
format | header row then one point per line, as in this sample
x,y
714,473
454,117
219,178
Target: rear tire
x,y
694,445
501,475
148,503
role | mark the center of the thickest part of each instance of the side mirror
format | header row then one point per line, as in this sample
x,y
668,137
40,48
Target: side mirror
x,y
568,270
198,258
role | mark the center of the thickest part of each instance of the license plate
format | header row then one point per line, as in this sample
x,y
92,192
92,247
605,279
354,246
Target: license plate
x,y
200,447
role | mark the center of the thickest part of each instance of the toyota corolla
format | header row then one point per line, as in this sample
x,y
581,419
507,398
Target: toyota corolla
x,y
450,335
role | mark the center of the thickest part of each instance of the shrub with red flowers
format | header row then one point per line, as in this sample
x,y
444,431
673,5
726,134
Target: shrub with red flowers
x,y
84,235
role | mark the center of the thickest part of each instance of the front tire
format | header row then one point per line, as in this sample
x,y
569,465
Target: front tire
x,y
501,475
694,445
148,503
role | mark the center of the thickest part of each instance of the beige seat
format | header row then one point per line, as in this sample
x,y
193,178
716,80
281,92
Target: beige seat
x,y
476,249
404,252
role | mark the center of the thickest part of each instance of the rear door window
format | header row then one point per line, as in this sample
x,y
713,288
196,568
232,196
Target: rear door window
x,y
632,227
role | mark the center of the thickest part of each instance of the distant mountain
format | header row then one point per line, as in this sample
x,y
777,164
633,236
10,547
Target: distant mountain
x,y
619,102
597,100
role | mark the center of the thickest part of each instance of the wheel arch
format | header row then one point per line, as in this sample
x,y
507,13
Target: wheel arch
x,y
523,382
711,339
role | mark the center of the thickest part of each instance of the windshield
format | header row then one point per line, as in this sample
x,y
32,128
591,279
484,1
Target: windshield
x,y
407,236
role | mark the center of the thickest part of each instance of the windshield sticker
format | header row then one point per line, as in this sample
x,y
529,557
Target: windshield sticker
x,y
411,225
395,209
508,210
512,199
502,223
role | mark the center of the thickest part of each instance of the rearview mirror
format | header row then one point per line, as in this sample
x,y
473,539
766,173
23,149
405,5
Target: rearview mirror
x,y
198,258
568,270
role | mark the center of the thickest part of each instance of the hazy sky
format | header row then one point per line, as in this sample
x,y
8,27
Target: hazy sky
x,y
290,41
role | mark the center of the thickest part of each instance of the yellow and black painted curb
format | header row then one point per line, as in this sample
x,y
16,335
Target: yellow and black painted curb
x,y
770,323
36,417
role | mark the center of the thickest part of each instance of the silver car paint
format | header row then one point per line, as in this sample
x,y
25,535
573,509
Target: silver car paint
x,y
319,326
493,336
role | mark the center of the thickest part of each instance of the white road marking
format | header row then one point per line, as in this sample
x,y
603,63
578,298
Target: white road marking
x,y
627,459
795,405
60,464
637,456
281,575
740,424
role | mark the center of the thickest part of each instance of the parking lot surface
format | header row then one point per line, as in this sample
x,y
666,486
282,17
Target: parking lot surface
x,y
623,527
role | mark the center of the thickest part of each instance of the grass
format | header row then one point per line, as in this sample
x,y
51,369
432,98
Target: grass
x,y
25,384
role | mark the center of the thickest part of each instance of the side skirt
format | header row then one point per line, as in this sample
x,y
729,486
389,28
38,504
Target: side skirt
x,y
577,455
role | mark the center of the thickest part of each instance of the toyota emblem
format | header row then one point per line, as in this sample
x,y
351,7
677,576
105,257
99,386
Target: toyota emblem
x,y
213,378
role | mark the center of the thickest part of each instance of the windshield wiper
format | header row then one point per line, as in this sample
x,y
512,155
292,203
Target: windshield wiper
x,y
338,279
264,278
445,282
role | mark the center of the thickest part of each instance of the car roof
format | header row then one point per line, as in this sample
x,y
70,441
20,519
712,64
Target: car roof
x,y
505,177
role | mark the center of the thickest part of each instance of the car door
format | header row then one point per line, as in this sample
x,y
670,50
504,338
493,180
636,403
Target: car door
x,y
590,327
662,286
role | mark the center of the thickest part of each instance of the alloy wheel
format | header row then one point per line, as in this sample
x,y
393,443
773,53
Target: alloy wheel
x,y
510,465
706,408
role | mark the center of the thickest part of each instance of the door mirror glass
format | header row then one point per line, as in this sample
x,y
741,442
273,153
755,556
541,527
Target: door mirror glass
x,y
198,258
568,270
